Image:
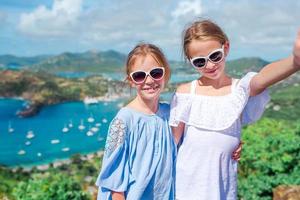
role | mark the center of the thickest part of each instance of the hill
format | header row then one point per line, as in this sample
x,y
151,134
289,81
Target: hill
x,y
109,61
11,61
90,61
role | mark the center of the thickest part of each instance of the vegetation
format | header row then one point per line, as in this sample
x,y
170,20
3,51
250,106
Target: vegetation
x,y
270,158
42,88
68,181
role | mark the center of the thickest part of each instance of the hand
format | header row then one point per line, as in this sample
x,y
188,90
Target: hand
x,y
296,51
236,155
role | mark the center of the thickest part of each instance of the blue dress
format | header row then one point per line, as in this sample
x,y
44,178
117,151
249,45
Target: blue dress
x,y
139,157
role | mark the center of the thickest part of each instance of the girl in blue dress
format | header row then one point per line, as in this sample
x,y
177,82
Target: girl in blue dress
x,y
139,157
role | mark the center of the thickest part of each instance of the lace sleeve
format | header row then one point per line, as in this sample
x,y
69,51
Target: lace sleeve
x,y
115,137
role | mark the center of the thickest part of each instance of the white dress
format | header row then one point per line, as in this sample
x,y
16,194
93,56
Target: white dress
x,y
204,168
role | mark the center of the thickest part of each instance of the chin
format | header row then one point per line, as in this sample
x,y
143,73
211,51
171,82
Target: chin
x,y
215,75
151,95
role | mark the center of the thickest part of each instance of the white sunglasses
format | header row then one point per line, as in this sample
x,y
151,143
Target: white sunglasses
x,y
215,56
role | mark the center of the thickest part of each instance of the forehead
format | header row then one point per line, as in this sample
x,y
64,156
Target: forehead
x,y
202,48
144,63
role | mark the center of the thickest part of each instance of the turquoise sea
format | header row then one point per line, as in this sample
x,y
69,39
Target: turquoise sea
x,y
41,139
54,132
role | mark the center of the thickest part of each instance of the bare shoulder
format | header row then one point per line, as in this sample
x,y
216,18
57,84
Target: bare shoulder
x,y
184,88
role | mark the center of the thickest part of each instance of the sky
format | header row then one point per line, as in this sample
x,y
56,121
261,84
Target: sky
x,y
265,29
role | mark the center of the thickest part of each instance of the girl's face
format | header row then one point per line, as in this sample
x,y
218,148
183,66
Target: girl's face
x,y
150,88
199,48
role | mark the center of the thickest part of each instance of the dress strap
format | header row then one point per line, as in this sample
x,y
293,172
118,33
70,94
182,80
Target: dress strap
x,y
193,87
234,83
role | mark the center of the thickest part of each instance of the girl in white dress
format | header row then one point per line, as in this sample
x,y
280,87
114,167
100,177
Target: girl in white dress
x,y
209,112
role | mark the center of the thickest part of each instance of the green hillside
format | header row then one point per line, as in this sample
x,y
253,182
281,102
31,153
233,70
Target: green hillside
x,y
10,60
241,66
110,61
107,61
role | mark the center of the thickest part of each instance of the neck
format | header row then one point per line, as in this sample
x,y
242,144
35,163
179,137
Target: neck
x,y
215,83
145,106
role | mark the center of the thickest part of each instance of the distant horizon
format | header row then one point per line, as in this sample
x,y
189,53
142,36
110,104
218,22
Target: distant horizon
x,y
99,51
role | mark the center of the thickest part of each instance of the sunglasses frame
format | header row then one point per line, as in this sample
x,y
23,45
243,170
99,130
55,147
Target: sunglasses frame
x,y
147,74
206,58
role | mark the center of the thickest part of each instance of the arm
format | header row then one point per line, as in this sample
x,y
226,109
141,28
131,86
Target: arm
x,y
117,195
276,71
177,132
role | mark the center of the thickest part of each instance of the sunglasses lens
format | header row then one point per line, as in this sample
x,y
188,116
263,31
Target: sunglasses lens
x,y
199,62
157,73
216,56
138,77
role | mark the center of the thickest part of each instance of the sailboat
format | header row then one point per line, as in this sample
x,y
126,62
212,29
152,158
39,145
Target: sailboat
x,y
65,129
10,129
30,134
55,141
70,124
81,126
95,129
91,119
21,152
65,149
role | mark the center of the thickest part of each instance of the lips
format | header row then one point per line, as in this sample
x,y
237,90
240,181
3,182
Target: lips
x,y
211,71
151,89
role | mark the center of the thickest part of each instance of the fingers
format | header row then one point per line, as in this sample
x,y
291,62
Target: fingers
x,y
236,155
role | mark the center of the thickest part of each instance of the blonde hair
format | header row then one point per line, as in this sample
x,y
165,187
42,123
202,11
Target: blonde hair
x,y
144,49
204,30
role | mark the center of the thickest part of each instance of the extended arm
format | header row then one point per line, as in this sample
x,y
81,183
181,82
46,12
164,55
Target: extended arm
x,y
276,71
178,131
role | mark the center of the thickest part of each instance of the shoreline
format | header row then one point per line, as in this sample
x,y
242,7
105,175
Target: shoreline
x,y
43,166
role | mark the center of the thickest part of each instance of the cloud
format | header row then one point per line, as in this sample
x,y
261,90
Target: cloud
x,y
188,8
119,25
57,21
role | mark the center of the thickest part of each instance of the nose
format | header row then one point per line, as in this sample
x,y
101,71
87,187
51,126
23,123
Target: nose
x,y
209,65
149,80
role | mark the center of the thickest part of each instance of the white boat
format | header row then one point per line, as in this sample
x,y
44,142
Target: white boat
x,y
21,152
70,124
30,135
89,133
27,143
39,154
100,138
90,100
81,126
104,120
65,129
10,128
95,129
98,124
55,141
91,119
65,149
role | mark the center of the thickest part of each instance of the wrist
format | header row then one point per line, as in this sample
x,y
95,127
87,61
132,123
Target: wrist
x,y
296,62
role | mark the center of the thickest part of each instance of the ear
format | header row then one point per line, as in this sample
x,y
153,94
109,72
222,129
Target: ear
x,y
226,48
130,82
